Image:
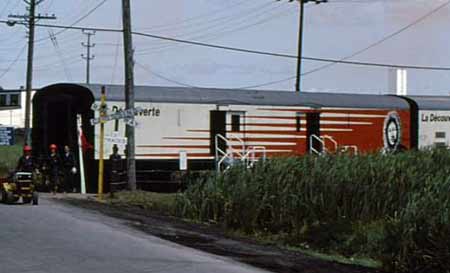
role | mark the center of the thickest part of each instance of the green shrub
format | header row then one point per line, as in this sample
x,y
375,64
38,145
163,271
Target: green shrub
x,y
391,207
9,157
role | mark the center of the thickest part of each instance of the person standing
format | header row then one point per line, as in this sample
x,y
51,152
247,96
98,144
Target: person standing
x,y
55,167
26,161
70,170
116,169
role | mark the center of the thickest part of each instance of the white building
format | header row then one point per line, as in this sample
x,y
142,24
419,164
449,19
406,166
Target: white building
x,y
12,108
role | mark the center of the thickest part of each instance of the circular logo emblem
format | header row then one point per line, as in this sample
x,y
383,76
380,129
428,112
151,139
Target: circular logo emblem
x,y
392,132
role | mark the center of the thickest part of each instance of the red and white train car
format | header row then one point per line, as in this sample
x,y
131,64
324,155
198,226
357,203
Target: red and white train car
x,y
197,122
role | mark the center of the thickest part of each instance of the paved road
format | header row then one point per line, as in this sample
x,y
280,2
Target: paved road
x,y
54,238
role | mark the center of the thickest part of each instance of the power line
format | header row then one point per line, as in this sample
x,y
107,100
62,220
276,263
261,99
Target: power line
x,y
116,56
384,39
22,50
249,51
30,20
143,67
77,21
268,83
194,18
59,55
220,28
5,7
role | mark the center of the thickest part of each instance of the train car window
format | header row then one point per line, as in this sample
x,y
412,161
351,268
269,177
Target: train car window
x,y
14,100
2,100
440,135
235,123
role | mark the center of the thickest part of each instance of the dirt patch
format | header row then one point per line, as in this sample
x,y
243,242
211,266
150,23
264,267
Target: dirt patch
x,y
214,240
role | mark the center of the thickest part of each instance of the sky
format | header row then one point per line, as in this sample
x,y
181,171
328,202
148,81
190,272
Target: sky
x,y
334,30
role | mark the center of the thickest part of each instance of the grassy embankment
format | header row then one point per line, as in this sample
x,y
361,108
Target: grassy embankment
x,y
394,209
8,158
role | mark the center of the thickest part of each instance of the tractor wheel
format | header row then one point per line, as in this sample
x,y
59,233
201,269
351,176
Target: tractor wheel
x,y
4,197
26,200
35,198
9,198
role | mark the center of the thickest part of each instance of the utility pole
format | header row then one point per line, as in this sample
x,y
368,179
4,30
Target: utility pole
x,y
300,47
31,19
88,57
300,41
129,90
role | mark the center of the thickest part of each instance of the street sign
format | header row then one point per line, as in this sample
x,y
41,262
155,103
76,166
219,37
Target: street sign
x,y
6,136
127,115
120,141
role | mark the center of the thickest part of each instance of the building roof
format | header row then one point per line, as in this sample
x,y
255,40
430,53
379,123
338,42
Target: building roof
x,y
432,102
249,97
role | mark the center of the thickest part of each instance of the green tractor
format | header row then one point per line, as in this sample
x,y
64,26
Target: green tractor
x,y
19,186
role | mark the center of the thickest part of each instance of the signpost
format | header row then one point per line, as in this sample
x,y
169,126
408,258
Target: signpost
x,y
7,136
103,117
101,165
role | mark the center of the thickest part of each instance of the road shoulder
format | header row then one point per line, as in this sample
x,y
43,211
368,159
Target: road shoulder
x,y
213,240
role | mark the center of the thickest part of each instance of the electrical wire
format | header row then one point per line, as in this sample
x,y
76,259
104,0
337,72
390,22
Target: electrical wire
x,y
384,39
143,67
116,56
244,50
59,55
267,83
5,7
76,21
222,27
193,18
22,50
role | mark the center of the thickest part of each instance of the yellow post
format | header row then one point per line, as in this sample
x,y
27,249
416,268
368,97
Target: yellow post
x,y
101,143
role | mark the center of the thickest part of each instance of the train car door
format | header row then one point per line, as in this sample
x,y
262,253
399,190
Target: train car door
x,y
217,125
313,128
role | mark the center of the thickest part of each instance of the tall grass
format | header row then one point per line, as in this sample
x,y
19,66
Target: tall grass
x,y
391,207
8,158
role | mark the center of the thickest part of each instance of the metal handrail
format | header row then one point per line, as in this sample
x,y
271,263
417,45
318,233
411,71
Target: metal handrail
x,y
330,138
251,157
311,144
247,156
228,154
234,138
256,149
351,147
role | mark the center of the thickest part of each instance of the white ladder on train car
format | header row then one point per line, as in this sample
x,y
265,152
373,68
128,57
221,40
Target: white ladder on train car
x,y
323,149
236,151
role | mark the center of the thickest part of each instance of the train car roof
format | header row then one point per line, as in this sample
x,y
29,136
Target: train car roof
x,y
249,97
432,102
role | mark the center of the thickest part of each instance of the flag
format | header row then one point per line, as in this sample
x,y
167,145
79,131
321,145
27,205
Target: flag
x,y
85,145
